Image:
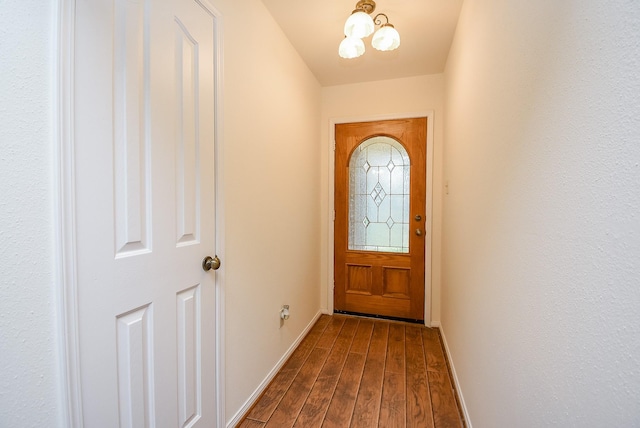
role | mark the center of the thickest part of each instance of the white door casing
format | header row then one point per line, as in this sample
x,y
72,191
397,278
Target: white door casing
x,y
143,131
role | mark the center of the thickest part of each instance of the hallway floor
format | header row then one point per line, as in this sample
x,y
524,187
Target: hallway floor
x,y
360,372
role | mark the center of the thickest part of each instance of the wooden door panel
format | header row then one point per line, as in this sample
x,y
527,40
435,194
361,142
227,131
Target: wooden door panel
x,y
377,305
359,279
396,282
390,281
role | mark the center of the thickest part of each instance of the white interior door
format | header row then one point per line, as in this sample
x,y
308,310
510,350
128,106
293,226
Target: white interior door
x,y
144,153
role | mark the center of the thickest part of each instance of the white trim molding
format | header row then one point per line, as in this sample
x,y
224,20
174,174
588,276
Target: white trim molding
x,y
455,377
429,114
65,222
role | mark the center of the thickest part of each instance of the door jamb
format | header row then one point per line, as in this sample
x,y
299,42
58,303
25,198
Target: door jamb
x,y
429,114
64,200
65,219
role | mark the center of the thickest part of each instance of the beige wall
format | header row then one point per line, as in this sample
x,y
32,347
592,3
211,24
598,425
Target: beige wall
x,y
384,98
541,239
271,185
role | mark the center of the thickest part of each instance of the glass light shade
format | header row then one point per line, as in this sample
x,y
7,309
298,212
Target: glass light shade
x,y
359,25
351,47
386,38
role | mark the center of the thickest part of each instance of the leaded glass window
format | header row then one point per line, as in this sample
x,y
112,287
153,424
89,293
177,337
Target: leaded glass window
x,y
379,196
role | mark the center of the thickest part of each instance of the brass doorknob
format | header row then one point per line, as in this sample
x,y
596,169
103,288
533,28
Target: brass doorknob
x,y
209,263
418,232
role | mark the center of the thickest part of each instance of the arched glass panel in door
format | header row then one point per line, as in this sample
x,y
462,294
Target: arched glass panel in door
x,y
379,178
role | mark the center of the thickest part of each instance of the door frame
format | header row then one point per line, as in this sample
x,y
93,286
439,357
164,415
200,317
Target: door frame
x,y
64,200
429,114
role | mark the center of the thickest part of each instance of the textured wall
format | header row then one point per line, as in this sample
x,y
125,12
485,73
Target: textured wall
x,y
28,344
541,247
387,97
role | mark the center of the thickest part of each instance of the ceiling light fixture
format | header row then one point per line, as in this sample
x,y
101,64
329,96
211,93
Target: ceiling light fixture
x,y
360,25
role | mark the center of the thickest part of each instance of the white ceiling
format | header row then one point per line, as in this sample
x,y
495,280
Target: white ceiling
x,y
315,29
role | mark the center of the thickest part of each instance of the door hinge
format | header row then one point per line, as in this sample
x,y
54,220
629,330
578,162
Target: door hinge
x,y
334,215
334,145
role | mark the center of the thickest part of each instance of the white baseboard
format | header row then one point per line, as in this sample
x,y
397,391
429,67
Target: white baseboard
x,y
435,324
274,371
455,376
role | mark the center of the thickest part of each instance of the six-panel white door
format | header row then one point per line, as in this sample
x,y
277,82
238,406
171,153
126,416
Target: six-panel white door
x,y
144,154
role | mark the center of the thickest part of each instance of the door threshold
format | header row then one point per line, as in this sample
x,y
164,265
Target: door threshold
x,y
383,317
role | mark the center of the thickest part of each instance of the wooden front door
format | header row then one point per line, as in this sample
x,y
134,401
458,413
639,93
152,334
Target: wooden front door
x,y
380,194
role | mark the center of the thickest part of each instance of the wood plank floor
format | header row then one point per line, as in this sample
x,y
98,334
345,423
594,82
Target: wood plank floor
x,y
359,372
